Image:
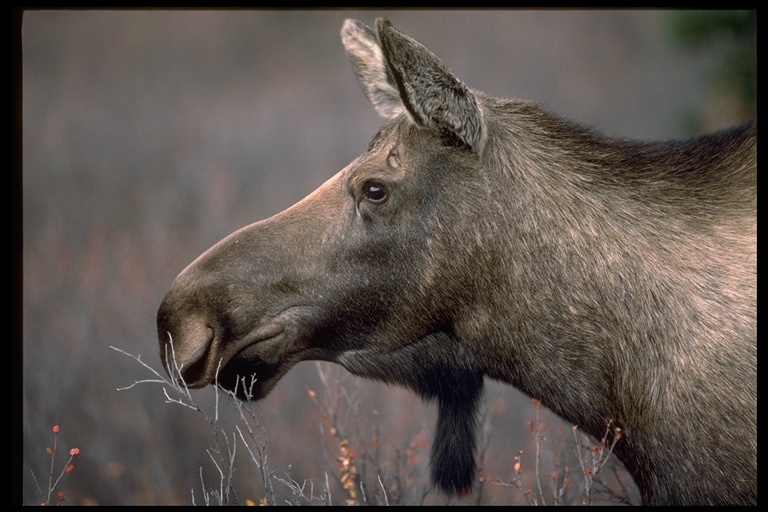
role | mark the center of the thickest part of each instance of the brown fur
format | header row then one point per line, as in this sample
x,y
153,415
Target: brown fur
x,y
611,279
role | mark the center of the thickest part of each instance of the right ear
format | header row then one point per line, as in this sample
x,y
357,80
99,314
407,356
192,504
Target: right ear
x,y
371,69
400,75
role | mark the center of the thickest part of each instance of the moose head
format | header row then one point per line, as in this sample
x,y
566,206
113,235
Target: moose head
x,y
483,237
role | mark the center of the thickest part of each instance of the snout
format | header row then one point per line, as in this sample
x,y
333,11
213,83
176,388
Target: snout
x,y
185,346
197,349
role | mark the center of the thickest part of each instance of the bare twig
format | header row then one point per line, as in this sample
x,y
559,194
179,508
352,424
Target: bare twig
x,y
600,455
52,484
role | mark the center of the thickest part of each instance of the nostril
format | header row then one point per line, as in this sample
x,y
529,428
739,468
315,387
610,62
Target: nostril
x,y
192,352
195,375
186,345
166,349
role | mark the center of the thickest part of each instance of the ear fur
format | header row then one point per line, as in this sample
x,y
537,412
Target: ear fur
x,y
371,70
400,75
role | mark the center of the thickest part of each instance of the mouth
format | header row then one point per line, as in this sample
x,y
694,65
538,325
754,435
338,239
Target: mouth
x,y
248,376
248,365
244,366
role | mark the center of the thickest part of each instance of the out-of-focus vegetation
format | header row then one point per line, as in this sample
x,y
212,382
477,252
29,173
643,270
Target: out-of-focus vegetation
x,y
730,38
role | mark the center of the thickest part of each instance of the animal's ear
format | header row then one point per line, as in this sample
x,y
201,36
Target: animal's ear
x,y
399,74
372,72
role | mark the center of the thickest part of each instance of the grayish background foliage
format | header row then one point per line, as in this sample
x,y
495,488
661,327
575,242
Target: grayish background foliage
x,y
148,136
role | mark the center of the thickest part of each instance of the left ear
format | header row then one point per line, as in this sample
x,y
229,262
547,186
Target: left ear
x,y
370,68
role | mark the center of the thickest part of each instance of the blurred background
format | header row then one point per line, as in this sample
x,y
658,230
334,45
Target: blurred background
x,y
150,135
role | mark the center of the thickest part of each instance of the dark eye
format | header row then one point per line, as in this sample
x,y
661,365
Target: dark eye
x,y
375,192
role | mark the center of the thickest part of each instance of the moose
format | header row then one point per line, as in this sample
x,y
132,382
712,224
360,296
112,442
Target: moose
x,y
612,279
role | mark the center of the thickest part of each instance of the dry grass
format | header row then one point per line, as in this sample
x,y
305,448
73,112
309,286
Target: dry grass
x,y
359,471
